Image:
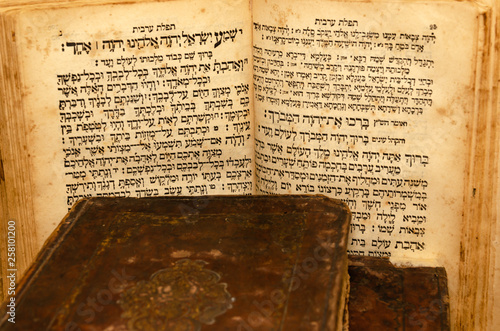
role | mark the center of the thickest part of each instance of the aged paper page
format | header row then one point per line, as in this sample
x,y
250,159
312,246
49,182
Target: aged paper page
x,y
370,103
137,100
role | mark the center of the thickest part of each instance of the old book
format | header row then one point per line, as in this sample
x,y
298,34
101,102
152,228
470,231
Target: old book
x,y
215,263
390,106
385,297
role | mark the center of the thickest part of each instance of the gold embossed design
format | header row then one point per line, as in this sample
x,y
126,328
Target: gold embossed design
x,y
179,298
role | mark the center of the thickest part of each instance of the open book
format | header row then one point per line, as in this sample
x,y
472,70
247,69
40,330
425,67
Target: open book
x,y
387,105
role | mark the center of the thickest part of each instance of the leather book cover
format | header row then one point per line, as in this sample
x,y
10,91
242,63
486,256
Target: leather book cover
x,y
385,297
184,263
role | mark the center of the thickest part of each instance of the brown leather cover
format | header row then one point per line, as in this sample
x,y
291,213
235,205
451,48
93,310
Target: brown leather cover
x,y
220,263
385,297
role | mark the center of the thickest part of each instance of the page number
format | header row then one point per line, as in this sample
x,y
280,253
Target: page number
x,y
433,27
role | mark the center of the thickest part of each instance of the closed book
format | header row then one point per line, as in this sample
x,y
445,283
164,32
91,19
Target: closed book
x,y
184,263
384,296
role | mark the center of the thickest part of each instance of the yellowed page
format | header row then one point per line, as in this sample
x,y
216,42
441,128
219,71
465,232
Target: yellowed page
x,y
136,100
371,103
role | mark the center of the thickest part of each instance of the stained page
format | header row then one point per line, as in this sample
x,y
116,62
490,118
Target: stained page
x,y
371,103
139,100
